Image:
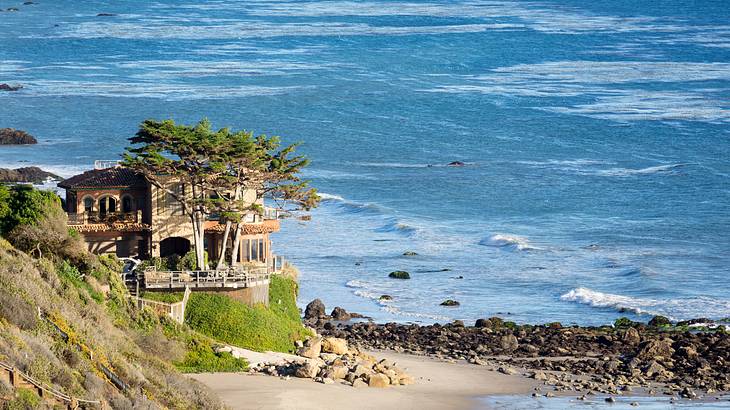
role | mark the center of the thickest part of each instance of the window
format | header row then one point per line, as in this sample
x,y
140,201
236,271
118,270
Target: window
x,y
171,202
88,204
107,204
127,204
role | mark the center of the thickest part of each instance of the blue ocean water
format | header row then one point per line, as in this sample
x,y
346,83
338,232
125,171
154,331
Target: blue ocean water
x,y
595,135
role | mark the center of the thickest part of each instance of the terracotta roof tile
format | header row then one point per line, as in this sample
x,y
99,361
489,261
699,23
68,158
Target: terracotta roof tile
x,y
116,177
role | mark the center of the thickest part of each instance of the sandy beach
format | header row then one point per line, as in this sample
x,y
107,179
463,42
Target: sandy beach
x,y
439,385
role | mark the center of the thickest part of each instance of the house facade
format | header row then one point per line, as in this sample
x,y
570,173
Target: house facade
x,y
119,212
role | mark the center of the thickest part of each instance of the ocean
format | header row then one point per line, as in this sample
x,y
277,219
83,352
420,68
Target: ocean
x,y
595,138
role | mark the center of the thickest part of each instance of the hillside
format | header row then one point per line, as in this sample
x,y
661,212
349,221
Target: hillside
x,y
65,321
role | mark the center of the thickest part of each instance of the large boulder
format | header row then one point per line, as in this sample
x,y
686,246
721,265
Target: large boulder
x,y
340,314
312,348
656,350
314,310
631,337
508,343
10,136
450,303
308,370
378,380
658,321
334,345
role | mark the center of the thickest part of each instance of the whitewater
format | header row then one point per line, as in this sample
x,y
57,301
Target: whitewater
x,y
594,139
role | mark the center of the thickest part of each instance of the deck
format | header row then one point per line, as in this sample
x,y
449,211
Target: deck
x,y
238,278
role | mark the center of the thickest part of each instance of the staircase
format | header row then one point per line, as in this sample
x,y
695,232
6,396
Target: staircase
x,y
131,275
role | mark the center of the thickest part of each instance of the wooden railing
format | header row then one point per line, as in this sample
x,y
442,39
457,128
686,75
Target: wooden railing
x,y
175,310
230,278
20,380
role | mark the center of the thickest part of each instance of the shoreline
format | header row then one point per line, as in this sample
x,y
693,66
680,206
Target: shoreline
x,y
439,385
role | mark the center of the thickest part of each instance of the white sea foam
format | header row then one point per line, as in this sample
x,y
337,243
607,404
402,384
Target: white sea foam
x,y
607,83
625,172
675,309
356,284
508,241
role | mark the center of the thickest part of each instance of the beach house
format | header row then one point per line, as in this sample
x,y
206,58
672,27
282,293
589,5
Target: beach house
x,y
119,212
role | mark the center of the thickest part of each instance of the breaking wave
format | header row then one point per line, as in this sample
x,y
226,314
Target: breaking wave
x,y
675,309
509,242
624,172
398,227
351,206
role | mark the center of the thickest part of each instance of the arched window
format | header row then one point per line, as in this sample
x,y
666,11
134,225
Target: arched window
x,y
88,204
127,204
107,205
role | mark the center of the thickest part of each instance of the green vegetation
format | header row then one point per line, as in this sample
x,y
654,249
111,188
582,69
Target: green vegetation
x,y
25,399
256,328
399,274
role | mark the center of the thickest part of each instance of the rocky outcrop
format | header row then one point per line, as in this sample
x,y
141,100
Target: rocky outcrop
x,y
10,136
609,359
450,303
32,175
340,314
314,310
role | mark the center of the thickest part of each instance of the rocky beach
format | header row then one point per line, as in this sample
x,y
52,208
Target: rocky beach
x,y
686,360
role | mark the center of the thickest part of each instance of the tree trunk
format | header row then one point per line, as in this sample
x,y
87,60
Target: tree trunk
x,y
224,245
236,244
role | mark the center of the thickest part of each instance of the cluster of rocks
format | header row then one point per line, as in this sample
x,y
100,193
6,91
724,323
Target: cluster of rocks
x,y
33,175
330,360
316,311
10,136
583,359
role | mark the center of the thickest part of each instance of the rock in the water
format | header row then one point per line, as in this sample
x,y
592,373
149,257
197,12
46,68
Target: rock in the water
x,y
314,310
340,314
10,136
378,380
334,345
450,302
399,274
385,297
312,348
105,15
482,323
456,164
32,175
8,87
410,253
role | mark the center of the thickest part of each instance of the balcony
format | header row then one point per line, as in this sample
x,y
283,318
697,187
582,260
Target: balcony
x,y
109,221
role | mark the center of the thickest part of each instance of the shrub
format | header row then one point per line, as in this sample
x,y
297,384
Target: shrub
x,y
202,358
25,399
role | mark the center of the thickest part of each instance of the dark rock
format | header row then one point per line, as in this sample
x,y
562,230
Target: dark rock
x,y
631,337
12,9
8,87
399,274
483,323
658,321
456,164
450,302
105,15
32,175
610,400
340,314
410,253
10,136
28,3
385,297
458,323
314,310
